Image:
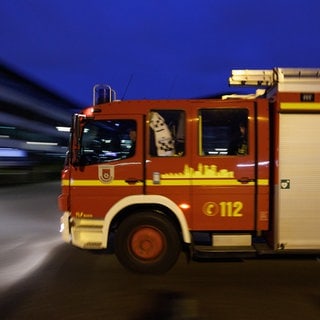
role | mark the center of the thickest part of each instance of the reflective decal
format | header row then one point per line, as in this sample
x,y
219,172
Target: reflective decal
x,y
80,214
203,171
285,184
210,209
229,209
106,173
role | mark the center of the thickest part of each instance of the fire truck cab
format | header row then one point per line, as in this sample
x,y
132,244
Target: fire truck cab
x,y
233,176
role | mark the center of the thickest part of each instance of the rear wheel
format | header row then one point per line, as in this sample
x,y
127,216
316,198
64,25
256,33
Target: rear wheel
x,y
147,242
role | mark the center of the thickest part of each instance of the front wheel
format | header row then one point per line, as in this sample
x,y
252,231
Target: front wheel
x,y
147,242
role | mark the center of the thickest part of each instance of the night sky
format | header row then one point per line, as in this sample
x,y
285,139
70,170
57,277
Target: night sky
x,y
154,48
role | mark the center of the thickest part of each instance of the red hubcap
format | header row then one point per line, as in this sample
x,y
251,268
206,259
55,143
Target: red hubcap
x,y
147,243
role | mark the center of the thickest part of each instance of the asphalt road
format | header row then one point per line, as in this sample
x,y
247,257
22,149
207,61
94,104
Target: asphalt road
x,y
43,278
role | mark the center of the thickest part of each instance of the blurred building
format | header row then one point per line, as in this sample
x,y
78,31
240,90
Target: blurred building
x,y
34,126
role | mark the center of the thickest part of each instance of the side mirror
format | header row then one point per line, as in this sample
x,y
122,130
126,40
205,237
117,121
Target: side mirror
x,y
76,130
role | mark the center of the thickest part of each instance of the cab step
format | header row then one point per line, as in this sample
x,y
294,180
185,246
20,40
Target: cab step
x,y
225,246
223,252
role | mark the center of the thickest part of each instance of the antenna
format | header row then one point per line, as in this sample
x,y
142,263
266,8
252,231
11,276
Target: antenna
x,y
128,84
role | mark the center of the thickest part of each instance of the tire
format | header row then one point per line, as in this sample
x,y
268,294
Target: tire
x,y
147,242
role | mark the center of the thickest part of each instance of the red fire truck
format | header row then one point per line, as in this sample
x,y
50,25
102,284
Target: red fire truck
x,y
238,175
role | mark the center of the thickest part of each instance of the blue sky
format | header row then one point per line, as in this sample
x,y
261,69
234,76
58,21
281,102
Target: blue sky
x,y
154,48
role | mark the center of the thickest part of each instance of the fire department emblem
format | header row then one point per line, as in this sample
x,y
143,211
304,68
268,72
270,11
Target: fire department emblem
x,y
106,173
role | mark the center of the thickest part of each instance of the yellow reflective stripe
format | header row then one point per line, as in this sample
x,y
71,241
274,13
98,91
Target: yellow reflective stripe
x,y
220,182
206,182
263,182
171,182
98,183
64,182
198,182
300,106
163,182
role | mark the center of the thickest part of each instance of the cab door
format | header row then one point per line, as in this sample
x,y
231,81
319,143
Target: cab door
x,y
110,165
168,152
223,168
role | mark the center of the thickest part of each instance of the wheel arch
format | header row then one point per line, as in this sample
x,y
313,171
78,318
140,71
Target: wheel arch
x,y
134,203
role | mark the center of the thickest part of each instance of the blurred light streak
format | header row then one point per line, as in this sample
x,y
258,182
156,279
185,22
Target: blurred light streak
x,y
63,129
34,126
42,143
20,259
10,152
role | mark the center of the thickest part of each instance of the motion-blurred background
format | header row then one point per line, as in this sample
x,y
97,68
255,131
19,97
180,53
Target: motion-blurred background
x,y
53,52
33,130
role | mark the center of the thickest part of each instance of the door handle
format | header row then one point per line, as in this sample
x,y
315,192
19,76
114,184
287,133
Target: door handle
x,y
245,180
133,180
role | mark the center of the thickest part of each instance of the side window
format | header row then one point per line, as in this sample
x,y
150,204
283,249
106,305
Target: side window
x,y
167,133
108,140
223,132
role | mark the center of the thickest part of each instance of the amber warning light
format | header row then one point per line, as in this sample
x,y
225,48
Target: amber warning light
x,y
184,206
